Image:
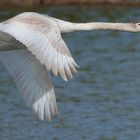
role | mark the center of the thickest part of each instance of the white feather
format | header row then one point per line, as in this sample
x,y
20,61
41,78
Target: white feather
x,y
32,80
42,39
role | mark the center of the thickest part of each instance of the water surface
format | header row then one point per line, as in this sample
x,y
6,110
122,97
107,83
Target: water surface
x,y
102,102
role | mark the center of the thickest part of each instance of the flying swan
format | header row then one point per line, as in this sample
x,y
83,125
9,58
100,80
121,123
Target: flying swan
x,y
42,49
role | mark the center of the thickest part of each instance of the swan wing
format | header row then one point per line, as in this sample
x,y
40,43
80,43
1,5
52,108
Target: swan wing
x,y
41,35
32,80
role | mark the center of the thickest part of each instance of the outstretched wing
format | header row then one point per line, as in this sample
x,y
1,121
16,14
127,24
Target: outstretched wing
x,y
41,36
32,80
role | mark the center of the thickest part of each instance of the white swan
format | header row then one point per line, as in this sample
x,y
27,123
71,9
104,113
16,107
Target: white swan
x,y
46,50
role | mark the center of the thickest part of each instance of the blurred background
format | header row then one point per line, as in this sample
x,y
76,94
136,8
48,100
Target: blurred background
x,y
103,101
62,2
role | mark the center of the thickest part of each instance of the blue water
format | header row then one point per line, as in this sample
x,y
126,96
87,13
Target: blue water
x,y
102,102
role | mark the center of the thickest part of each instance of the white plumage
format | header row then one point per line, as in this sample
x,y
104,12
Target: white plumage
x,y
44,50
30,67
32,80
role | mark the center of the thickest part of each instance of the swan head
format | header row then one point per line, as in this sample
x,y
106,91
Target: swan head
x,y
135,26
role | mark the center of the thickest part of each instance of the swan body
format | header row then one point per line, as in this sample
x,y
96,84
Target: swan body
x,y
40,48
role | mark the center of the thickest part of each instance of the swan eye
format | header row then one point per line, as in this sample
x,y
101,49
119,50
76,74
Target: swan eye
x,y
138,24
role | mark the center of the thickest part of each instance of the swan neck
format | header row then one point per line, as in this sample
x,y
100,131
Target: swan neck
x,y
105,26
